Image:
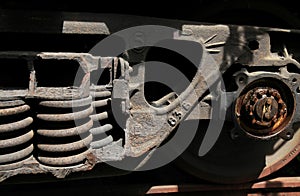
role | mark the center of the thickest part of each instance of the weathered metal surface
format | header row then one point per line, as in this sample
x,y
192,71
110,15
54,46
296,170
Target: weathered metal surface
x,y
67,104
16,155
66,147
149,124
100,143
15,110
101,116
81,27
67,132
164,100
63,93
100,103
10,138
111,152
11,103
86,62
31,166
17,140
53,158
235,47
101,94
11,166
101,129
16,125
62,161
13,94
66,117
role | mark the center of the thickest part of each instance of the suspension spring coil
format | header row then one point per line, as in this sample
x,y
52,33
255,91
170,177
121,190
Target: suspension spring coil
x,y
64,137
16,135
101,98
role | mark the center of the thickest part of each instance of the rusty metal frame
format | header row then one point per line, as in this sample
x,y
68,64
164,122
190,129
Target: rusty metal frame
x,y
140,137
285,185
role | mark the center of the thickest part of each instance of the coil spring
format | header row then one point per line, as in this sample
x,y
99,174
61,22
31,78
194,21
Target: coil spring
x,y
16,135
101,98
63,132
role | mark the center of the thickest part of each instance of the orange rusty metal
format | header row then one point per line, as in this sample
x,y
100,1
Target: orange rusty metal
x,y
282,183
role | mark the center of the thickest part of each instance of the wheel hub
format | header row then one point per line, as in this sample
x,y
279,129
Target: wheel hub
x,y
263,112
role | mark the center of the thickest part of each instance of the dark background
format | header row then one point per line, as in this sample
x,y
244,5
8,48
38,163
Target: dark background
x,y
283,14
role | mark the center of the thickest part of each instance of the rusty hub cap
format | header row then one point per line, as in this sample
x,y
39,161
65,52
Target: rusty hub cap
x,y
264,111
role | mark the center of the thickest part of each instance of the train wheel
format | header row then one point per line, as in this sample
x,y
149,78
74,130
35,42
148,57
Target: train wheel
x,y
262,137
